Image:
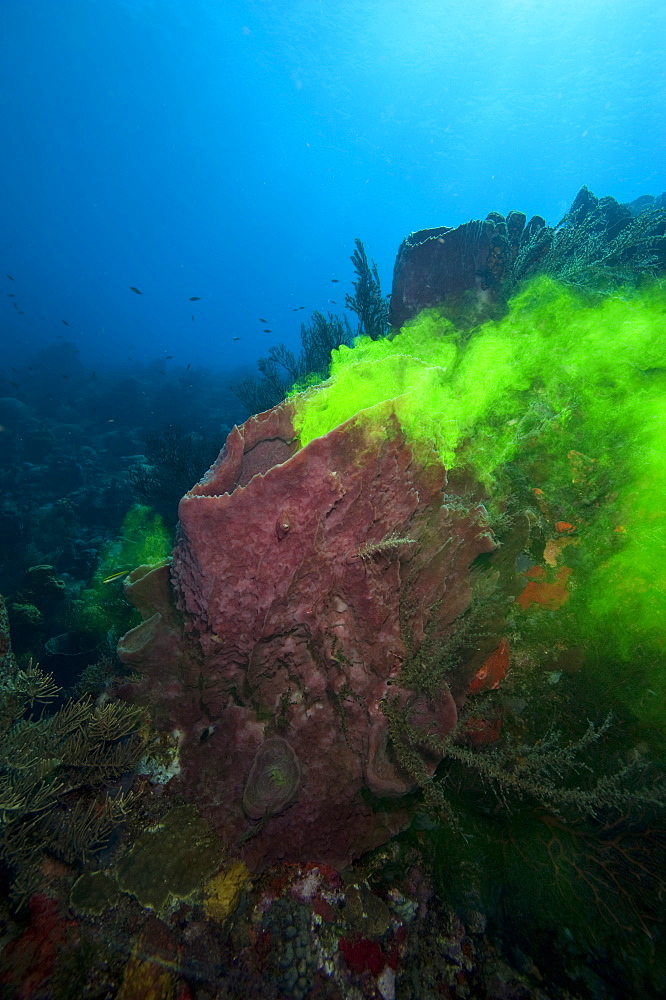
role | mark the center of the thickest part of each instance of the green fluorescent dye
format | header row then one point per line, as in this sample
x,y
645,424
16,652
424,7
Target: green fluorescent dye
x,y
557,374
551,353
144,540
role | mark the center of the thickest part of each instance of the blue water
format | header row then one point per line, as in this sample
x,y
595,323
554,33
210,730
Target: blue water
x,y
233,151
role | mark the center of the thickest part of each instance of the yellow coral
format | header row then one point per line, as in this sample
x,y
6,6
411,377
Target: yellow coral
x,y
223,891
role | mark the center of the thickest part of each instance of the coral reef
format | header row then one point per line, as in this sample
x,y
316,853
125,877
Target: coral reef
x,y
29,960
8,665
66,457
36,609
222,892
57,773
298,931
437,266
340,654
599,244
92,893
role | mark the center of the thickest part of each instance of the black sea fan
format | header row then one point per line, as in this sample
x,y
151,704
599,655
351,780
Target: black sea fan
x,y
274,780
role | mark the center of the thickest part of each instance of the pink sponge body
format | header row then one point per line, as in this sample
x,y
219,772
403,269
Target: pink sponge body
x,y
299,577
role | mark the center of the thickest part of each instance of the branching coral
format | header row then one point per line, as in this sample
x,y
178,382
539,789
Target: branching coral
x,y
598,245
54,773
281,370
432,663
550,771
367,302
175,459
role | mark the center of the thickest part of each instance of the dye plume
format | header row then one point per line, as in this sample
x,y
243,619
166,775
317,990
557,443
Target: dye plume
x,y
570,391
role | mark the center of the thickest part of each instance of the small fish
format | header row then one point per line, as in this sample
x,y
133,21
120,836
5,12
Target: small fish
x,y
15,384
335,280
10,295
268,331
295,310
168,357
301,307
235,338
195,298
135,290
189,365
193,319
64,321
10,277
263,320
94,374
15,304
62,375
332,301
115,576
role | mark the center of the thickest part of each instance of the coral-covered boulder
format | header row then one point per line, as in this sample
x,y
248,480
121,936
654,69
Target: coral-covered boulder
x,y
302,575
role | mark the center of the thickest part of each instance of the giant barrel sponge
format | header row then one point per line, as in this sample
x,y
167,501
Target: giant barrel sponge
x,y
274,641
